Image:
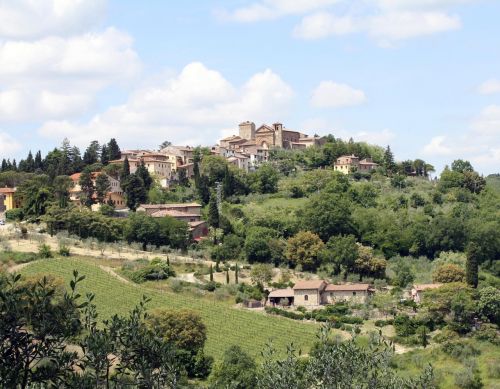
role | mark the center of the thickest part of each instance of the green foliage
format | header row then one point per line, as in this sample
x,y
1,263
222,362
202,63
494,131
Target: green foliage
x,y
156,270
44,251
341,252
15,214
261,273
448,273
237,370
304,249
102,187
472,265
257,244
489,304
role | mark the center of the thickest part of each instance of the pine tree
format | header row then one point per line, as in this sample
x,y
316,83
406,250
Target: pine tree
x,y
388,161
87,187
211,273
114,152
91,154
213,211
472,264
76,160
4,165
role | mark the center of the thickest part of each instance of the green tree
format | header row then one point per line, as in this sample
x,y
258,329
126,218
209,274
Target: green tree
x,y
461,166
237,370
114,152
87,188
328,214
303,249
266,179
91,154
102,187
341,251
489,303
135,192
143,173
388,161
472,265
261,273
213,211
62,185
256,244
448,273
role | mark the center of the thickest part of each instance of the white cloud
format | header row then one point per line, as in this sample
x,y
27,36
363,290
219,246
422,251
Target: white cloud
x,y
488,121
329,94
489,87
396,26
419,4
8,145
55,77
323,24
273,9
27,19
193,107
436,147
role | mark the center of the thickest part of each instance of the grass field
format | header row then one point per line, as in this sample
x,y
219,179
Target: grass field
x,y
226,326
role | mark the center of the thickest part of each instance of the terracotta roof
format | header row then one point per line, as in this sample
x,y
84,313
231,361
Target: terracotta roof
x,y
346,287
196,223
311,284
282,293
172,213
422,287
8,190
166,206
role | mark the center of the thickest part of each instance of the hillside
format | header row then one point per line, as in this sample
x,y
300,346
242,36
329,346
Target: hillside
x,y
226,326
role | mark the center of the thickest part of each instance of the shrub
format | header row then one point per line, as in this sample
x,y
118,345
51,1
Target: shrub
x,y
285,313
383,323
445,336
404,325
489,333
468,378
460,350
448,272
15,214
44,251
210,286
64,251
156,270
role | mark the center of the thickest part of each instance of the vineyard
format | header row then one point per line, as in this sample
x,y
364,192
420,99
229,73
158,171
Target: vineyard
x,y
226,326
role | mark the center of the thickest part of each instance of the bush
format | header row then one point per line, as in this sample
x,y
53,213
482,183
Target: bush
x,y
155,271
460,350
468,378
445,336
489,333
285,313
44,251
15,214
404,325
64,251
209,286
383,323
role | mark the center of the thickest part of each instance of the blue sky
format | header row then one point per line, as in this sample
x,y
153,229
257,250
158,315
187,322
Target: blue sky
x,y
420,75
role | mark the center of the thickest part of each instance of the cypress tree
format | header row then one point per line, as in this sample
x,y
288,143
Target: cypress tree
x,y
227,182
389,163
211,273
227,276
236,270
38,160
213,211
143,173
104,155
472,264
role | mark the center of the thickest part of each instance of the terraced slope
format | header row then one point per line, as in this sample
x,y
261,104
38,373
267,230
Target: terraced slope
x,y
226,326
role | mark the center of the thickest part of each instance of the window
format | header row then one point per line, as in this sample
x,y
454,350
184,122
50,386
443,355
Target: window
x,y
306,297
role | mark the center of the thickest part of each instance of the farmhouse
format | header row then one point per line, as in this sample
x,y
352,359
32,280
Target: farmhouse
x,y
418,289
350,163
8,200
318,292
114,196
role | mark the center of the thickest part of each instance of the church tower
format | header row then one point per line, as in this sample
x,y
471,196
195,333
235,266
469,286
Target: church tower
x,y
247,130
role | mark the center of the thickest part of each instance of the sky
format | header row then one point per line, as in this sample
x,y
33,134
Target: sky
x,y
420,75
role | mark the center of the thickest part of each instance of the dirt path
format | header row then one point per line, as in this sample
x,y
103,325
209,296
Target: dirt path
x,y
112,273
16,268
188,277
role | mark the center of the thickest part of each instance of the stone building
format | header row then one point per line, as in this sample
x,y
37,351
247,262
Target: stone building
x,y
350,163
314,293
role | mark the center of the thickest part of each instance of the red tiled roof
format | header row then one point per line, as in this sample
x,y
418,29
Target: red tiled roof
x,y
8,190
422,287
282,293
346,287
311,284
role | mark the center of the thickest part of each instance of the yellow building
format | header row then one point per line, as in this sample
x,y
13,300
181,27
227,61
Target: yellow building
x,y
7,200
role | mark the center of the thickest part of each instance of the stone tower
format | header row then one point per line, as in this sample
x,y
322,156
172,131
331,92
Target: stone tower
x,y
247,130
278,134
